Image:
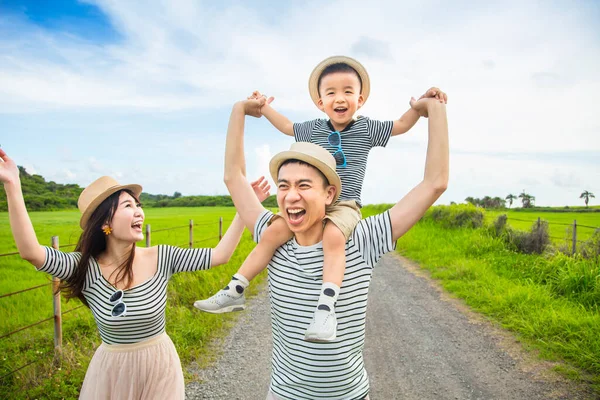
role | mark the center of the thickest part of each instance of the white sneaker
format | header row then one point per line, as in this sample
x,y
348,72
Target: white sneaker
x,y
222,302
323,327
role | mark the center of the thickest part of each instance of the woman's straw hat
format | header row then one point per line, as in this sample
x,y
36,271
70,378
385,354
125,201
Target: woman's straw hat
x,y
98,191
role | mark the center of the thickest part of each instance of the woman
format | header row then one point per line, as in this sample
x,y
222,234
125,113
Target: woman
x,y
124,286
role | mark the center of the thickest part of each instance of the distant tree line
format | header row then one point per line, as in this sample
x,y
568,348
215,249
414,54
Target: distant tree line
x,y
47,196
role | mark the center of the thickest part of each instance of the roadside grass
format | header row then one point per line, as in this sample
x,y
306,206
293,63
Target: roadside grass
x,y
190,329
552,303
560,223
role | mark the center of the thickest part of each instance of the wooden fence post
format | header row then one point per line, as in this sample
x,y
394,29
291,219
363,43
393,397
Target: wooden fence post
x,y
220,228
191,233
148,241
574,236
57,313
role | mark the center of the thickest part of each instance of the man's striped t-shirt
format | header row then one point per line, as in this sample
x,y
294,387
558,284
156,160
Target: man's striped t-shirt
x,y
357,140
146,302
309,370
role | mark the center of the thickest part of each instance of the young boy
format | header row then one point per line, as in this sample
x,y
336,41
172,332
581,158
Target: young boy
x,y
338,86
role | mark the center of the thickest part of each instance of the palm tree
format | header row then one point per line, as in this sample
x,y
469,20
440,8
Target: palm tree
x,y
526,199
586,195
510,199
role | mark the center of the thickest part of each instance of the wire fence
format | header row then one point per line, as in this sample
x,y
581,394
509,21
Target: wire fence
x,y
57,317
571,231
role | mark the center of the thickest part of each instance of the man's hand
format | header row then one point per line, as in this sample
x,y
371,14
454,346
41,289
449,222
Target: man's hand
x,y
421,105
252,106
435,93
256,95
261,188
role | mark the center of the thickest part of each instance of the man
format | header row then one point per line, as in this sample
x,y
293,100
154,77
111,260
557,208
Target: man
x,y
306,183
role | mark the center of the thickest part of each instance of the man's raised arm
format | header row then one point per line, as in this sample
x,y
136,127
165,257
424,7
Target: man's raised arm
x,y
242,194
413,206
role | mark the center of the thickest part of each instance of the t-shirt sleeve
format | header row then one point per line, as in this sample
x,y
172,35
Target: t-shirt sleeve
x,y
303,130
60,264
379,132
374,237
178,259
261,224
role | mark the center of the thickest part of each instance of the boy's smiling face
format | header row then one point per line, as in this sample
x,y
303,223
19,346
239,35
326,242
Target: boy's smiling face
x,y
340,97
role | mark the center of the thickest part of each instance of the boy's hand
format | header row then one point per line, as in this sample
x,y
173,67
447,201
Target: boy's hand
x,y
435,93
261,188
420,105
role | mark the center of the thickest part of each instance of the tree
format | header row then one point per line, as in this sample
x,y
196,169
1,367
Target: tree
x,y
510,199
586,195
176,195
527,199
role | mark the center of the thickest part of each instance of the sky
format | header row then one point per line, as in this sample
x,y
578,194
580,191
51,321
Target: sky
x,y
142,90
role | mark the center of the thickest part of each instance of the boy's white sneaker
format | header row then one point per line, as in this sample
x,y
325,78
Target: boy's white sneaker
x,y
222,302
323,327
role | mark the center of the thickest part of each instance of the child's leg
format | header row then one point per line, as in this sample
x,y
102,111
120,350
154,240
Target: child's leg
x,y
324,324
274,236
231,297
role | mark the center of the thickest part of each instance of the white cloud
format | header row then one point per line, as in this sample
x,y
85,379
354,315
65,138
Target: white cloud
x,y
521,78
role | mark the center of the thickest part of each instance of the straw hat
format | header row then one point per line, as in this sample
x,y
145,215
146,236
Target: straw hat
x,y
313,80
312,154
98,191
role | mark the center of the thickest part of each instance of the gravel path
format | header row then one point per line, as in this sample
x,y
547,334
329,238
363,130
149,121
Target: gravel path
x,y
420,345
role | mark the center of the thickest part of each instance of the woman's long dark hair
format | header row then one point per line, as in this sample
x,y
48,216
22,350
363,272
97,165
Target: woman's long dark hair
x,y
92,243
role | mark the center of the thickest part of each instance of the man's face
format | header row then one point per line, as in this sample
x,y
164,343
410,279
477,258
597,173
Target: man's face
x,y
302,197
340,97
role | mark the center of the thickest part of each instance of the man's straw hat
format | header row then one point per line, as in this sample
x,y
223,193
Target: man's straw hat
x,y
312,154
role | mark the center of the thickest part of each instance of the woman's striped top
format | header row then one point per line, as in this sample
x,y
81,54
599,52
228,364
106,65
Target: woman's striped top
x,y
309,370
145,302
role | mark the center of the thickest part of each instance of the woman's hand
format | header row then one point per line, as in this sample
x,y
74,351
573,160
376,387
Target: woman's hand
x,y
9,172
261,188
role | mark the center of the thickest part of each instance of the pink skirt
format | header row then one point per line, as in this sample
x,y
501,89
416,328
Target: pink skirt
x,y
149,369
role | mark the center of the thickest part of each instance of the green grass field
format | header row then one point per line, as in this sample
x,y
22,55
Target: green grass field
x,y
560,223
189,329
550,302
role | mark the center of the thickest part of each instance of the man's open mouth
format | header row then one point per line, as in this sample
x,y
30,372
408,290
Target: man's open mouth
x,y
295,214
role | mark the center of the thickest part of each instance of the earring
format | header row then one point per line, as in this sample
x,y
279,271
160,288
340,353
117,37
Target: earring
x,y
107,230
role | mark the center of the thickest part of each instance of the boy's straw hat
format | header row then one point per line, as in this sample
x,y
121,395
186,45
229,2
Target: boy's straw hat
x,y
98,191
313,80
312,154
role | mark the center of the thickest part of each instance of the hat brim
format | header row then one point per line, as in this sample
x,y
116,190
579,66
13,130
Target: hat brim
x,y
325,169
136,189
313,80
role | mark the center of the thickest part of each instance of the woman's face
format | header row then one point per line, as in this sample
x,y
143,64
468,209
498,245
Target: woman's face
x,y
128,220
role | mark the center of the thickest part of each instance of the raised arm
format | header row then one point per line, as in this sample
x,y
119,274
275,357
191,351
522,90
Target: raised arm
x,y
277,119
22,229
410,118
247,204
411,207
223,251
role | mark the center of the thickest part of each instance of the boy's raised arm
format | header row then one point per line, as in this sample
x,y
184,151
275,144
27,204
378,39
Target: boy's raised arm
x,y
247,204
412,207
278,120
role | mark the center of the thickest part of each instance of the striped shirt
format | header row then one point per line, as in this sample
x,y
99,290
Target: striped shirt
x,y
145,302
309,370
357,140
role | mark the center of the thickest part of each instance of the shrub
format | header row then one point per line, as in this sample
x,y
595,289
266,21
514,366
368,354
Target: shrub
x,y
591,247
534,241
456,216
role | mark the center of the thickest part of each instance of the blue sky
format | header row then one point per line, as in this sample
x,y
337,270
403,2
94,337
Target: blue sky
x,y
142,90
